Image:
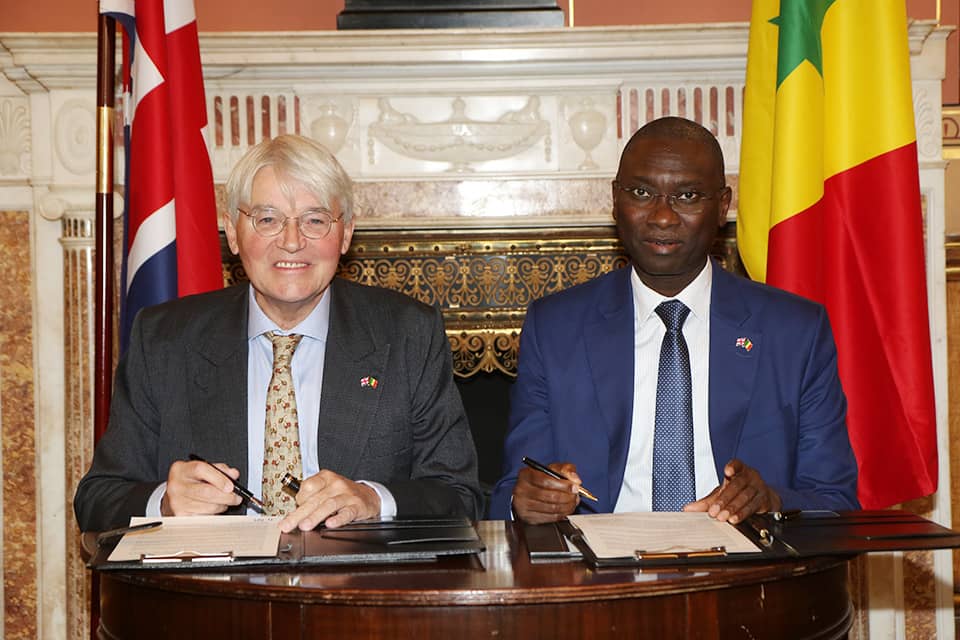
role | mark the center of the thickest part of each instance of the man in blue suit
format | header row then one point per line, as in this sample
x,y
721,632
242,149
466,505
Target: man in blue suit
x,y
767,410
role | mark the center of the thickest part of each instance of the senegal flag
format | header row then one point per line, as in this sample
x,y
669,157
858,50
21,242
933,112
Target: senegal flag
x,y
830,209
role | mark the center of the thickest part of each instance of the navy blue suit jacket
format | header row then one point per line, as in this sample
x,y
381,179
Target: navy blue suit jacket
x,y
778,406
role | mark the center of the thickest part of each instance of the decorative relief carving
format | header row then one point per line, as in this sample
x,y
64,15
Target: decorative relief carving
x,y
486,351
928,131
483,279
14,137
332,123
459,140
588,127
76,135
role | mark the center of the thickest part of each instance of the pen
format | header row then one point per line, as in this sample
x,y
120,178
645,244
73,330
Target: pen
x,y
238,489
533,464
113,533
290,482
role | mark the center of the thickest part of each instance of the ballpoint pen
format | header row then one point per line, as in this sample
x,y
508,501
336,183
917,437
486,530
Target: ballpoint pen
x,y
238,488
542,468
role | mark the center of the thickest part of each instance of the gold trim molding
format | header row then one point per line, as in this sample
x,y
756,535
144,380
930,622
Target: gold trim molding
x,y
484,279
952,247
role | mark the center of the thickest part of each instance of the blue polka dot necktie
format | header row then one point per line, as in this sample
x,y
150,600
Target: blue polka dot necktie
x,y
673,476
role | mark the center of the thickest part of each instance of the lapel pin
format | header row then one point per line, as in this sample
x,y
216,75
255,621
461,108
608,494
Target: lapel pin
x,y
369,381
745,344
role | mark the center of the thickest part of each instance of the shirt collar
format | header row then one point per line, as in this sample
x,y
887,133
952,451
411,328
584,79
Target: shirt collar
x,y
313,326
695,295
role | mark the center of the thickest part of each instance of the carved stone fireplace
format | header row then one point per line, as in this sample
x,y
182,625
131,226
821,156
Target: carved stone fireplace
x,y
482,162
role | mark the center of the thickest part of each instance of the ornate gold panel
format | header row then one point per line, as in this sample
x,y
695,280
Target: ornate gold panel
x,y
483,279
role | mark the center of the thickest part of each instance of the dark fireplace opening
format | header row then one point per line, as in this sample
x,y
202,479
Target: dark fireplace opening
x,y
486,399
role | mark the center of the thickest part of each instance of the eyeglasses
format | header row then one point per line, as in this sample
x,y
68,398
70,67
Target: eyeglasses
x,y
313,223
686,202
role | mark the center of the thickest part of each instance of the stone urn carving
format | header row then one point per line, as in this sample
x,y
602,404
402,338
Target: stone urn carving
x,y
587,125
330,129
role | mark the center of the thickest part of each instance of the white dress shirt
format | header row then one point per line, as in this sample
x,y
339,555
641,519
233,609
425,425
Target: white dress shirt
x,y
636,492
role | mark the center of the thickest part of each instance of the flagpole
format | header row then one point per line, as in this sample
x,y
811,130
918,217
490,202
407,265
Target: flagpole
x,y
103,304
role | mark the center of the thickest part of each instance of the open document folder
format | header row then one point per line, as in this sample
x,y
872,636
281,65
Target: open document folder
x,y
212,541
658,534
199,538
671,538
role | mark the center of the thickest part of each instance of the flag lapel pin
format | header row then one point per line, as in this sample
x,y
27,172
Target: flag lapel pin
x,y
745,344
369,382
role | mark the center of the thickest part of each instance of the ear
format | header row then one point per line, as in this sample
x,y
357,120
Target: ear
x,y
725,198
230,230
347,237
613,199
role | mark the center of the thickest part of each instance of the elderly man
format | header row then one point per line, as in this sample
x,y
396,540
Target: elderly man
x,y
673,384
346,386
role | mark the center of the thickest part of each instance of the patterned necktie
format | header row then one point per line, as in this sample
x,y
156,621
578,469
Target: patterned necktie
x,y
281,432
673,476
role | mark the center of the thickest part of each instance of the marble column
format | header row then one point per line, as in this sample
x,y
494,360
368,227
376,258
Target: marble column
x,y
78,270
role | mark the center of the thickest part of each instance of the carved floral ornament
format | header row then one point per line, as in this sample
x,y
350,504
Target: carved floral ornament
x,y
14,137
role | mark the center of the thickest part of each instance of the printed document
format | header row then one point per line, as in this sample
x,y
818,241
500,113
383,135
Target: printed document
x,y
199,536
620,535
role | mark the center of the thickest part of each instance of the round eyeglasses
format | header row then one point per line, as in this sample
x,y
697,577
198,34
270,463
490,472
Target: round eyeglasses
x,y
686,202
313,223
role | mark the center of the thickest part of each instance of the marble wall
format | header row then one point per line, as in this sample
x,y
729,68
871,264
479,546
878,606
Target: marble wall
x,y
18,496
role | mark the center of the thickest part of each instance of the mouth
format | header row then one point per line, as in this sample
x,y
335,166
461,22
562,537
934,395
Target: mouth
x,y
662,245
289,265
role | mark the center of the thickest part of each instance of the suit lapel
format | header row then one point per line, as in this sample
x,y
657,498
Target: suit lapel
x,y
736,345
346,403
216,366
610,351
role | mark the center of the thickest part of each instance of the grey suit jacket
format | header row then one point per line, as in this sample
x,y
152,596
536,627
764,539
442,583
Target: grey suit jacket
x,y
181,387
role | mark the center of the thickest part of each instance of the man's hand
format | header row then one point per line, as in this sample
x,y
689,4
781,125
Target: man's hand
x,y
195,488
330,498
538,498
741,494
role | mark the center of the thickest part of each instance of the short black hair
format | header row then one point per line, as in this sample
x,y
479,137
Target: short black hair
x,y
682,128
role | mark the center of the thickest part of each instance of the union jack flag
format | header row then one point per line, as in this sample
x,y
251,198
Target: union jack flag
x,y
171,242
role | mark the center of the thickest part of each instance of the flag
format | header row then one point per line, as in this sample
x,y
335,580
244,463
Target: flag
x,y
171,241
830,209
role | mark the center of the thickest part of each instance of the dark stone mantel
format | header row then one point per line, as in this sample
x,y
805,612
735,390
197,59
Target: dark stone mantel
x,y
444,14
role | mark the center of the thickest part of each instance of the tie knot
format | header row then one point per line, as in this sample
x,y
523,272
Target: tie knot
x,y
284,346
673,313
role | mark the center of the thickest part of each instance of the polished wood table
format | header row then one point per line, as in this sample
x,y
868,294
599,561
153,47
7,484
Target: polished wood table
x,y
497,594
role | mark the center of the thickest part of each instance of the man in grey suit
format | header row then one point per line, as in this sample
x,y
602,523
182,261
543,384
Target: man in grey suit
x,y
382,430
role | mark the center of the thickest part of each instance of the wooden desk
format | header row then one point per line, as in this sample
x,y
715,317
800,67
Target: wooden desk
x,y
498,594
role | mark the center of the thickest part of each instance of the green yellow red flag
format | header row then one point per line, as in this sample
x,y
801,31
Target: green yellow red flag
x,y
830,209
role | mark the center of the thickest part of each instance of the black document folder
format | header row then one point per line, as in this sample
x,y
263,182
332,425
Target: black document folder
x,y
362,542
804,534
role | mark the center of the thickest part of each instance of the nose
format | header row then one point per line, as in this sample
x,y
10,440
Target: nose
x,y
661,211
290,238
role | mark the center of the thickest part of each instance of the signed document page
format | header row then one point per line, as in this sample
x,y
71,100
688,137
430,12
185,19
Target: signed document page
x,y
242,536
619,535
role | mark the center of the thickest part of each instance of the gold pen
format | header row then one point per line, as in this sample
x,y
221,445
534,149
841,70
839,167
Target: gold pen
x,y
542,468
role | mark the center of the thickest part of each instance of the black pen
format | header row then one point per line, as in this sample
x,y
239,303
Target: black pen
x,y
238,488
533,464
113,533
